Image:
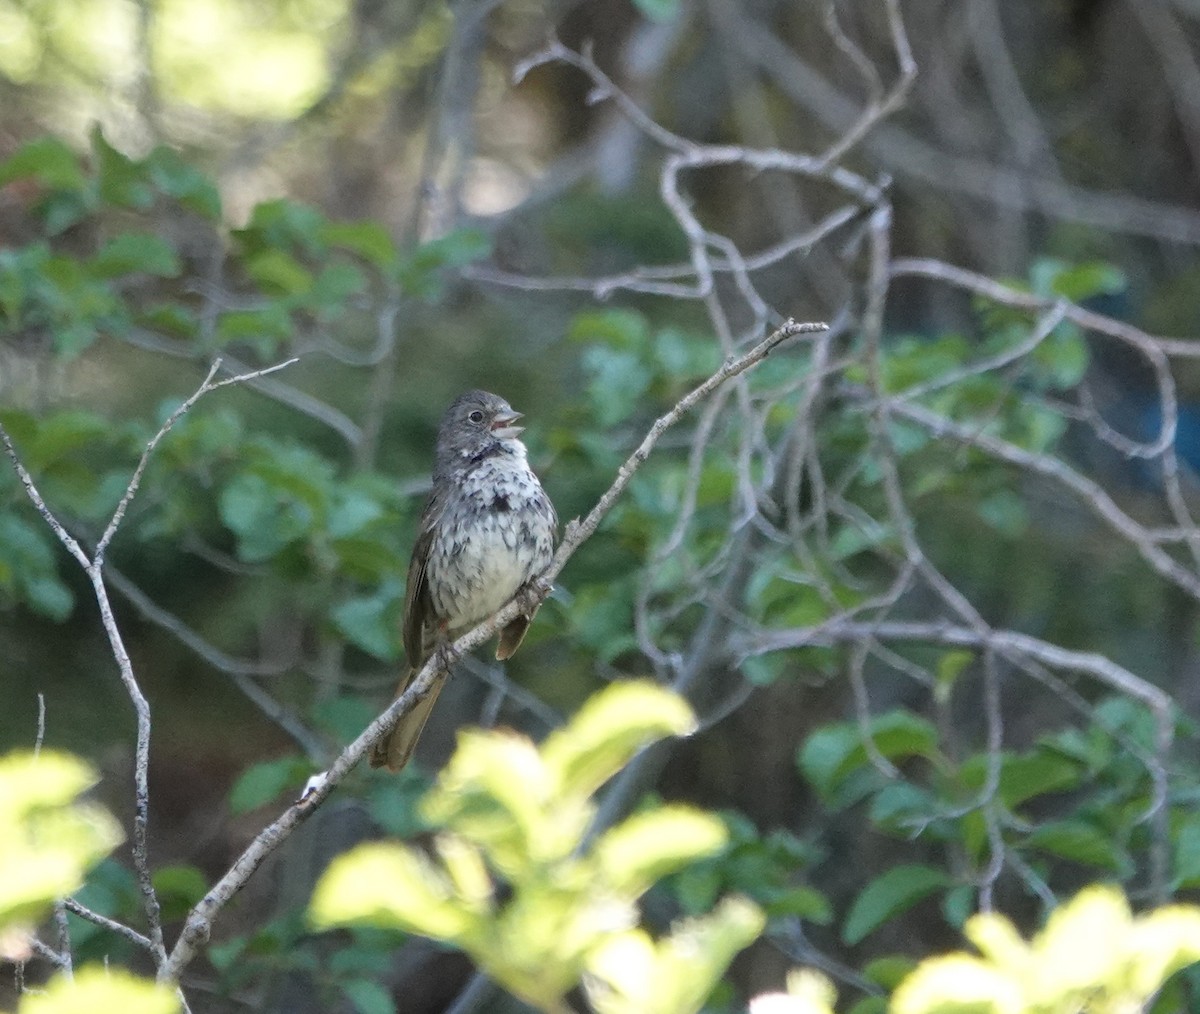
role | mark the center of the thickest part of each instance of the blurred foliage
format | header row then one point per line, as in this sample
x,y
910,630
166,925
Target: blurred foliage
x,y
269,61
507,812
49,839
102,990
1092,956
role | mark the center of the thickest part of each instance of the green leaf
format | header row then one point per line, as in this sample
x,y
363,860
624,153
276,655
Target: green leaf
x,y
602,618
28,568
618,381
335,285
1004,511
62,209
171,319
265,781
264,329
625,330
889,895
889,971
833,752
609,729
368,996
369,240
283,224
682,354
420,274
122,181
352,511
264,515
1077,282
658,10
824,757
1037,773
1079,842
1063,357
278,273
763,670
46,159
179,179
371,622
456,248
394,801
949,667
135,252
47,595
1186,852
62,434
179,888
344,717
497,792
805,903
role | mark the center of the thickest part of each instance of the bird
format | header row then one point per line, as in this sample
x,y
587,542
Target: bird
x,y
485,537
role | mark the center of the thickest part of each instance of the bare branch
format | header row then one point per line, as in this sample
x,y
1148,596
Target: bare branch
x,y
130,934
94,568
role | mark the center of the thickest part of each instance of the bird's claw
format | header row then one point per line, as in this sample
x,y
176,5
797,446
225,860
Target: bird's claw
x,y
445,656
532,593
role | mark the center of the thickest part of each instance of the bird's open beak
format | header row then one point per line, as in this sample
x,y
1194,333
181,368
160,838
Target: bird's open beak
x,y
502,425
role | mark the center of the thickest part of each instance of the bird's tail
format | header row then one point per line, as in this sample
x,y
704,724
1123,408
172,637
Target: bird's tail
x,y
395,749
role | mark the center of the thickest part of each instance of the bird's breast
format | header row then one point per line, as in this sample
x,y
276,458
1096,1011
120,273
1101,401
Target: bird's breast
x,y
496,533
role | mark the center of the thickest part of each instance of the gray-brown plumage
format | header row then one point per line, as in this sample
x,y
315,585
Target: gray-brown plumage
x,y
487,532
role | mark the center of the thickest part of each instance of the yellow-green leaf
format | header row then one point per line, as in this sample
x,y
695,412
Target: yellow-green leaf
x,y
396,887
960,983
101,990
609,729
47,838
629,974
648,846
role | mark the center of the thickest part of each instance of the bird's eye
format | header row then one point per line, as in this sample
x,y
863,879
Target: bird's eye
x,y
476,416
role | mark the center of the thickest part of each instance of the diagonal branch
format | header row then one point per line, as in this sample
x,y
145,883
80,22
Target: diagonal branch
x,y
199,921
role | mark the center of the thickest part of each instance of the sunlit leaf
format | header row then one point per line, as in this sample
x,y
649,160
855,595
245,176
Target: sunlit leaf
x,y
609,729
45,833
102,990
959,983
391,886
631,974
647,846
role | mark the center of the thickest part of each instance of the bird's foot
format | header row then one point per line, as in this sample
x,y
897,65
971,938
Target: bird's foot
x,y
445,655
532,593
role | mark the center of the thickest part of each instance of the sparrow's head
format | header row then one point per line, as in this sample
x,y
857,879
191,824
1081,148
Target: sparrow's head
x,y
476,422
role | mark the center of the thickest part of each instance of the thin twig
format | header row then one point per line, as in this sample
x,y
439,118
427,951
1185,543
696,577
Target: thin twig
x,y
128,932
94,568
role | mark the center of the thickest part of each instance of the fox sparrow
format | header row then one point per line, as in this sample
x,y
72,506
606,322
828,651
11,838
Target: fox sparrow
x,y
488,530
